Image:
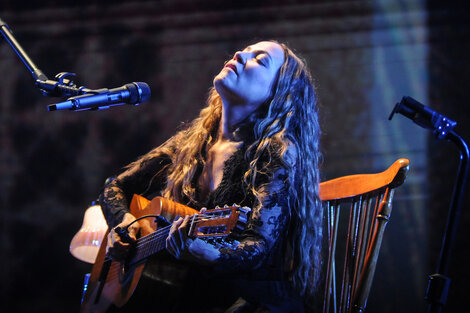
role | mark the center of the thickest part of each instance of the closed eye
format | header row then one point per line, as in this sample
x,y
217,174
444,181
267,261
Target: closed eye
x,y
262,59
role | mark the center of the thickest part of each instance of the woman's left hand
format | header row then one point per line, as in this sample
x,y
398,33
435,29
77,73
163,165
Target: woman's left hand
x,y
184,248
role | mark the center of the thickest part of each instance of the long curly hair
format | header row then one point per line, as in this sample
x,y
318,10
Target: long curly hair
x,y
288,123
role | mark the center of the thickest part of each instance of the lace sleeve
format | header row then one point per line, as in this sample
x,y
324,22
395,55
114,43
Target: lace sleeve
x,y
144,176
265,229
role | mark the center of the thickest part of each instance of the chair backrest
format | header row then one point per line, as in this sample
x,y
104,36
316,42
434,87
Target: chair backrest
x,y
363,205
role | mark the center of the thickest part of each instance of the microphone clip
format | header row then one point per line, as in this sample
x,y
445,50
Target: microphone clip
x,y
62,87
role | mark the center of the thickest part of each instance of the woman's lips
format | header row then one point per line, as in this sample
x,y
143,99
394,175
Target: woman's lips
x,y
232,67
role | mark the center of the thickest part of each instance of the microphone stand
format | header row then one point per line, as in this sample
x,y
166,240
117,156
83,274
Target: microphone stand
x,y
62,87
439,283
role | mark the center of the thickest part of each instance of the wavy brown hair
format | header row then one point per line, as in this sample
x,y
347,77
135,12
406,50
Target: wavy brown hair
x,y
286,125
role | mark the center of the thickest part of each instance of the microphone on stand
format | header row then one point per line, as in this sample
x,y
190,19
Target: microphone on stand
x,y
132,93
424,116
81,98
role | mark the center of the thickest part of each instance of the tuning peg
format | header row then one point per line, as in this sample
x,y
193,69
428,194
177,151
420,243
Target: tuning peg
x,y
245,209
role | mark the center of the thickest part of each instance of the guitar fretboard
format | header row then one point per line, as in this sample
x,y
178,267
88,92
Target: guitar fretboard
x,y
156,241
150,244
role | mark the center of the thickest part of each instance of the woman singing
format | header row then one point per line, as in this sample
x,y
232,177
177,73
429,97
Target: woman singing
x,y
255,144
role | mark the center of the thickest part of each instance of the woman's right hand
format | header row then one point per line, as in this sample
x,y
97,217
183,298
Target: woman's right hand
x,y
118,249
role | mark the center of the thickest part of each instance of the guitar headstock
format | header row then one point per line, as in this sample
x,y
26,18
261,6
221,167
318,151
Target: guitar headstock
x,y
219,222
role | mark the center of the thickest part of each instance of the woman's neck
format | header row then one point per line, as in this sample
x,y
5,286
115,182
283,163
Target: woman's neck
x,y
228,126
228,131
234,125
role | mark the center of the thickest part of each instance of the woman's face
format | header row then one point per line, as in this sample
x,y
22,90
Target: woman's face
x,y
248,78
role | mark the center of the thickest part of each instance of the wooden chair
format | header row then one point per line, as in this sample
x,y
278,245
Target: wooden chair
x,y
363,203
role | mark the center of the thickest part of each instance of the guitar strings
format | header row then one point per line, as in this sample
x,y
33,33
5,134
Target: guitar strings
x,y
150,239
141,241
163,232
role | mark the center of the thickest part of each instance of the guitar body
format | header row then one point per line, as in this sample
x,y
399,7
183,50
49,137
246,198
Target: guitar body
x,y
110,285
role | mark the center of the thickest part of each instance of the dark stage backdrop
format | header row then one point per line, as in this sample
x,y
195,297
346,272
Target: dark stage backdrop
x,y
365,56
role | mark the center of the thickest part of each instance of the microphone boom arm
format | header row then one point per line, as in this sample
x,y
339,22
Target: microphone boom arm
x,y
64,87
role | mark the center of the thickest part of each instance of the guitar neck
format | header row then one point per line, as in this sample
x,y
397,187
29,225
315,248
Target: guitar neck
x,y
150,244
216,223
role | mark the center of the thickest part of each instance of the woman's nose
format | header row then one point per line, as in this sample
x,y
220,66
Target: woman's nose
x,y
240,57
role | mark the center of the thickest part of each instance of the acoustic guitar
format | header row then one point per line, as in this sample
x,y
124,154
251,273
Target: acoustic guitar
x,y
112,283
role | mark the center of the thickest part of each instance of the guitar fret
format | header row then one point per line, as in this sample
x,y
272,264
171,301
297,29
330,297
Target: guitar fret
x,y
150,244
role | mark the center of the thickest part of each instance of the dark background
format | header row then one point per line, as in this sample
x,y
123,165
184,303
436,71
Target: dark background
x,y
365,56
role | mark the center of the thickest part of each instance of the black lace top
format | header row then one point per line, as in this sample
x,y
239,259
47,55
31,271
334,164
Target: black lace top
x,y
258,259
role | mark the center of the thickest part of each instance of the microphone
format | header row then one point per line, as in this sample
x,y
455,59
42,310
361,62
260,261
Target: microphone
x,y
132,93
424,116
